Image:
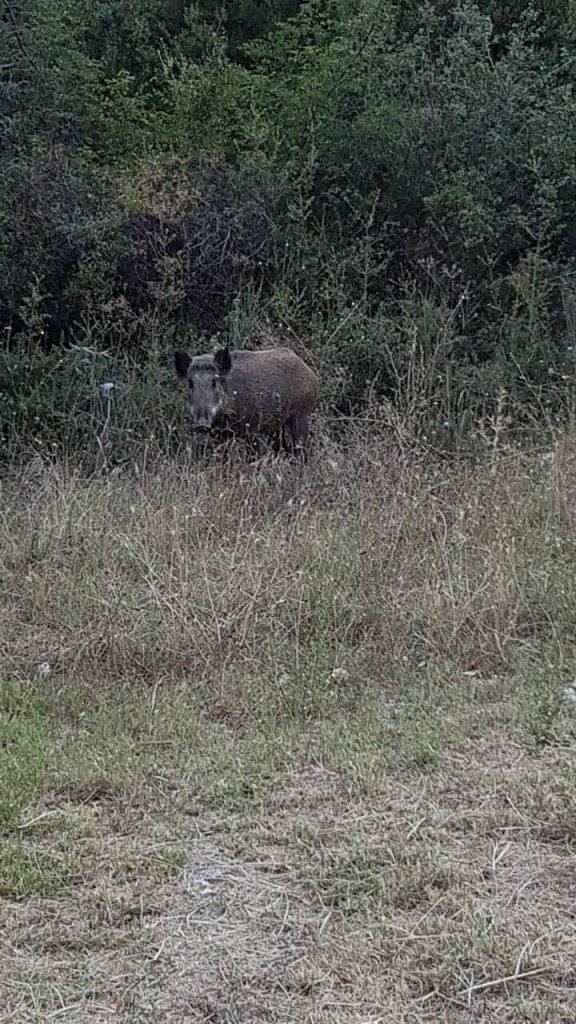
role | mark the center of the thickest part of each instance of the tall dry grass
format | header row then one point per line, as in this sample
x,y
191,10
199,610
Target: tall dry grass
x,y
233,575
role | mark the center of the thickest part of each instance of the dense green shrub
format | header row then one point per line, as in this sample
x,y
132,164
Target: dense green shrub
x,y
391,185
86,405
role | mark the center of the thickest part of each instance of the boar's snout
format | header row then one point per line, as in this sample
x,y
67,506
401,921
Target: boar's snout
x,y
202,421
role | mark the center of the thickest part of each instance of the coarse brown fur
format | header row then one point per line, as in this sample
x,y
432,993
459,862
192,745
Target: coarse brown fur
x,y
271,391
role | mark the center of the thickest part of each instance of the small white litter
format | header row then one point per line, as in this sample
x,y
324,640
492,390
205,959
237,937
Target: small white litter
x,y
206,877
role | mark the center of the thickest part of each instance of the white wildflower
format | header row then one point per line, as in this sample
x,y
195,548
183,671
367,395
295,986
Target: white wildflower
x,y
339,675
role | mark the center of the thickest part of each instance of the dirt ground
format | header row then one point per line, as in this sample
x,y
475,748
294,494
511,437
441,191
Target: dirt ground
x,y
449,897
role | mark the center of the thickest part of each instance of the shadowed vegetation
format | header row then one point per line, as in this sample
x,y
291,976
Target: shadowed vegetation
x,y
387,187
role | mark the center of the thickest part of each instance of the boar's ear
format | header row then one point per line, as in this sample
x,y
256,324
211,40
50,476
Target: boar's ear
x,y
223,359
181,362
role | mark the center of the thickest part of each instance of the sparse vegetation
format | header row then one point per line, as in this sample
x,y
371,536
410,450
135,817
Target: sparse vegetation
x,y
290,744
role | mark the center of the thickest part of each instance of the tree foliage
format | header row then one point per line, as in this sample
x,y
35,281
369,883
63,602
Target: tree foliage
x,y
393,183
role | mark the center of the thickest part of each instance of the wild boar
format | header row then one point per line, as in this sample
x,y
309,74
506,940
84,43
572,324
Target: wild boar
x,y
271,391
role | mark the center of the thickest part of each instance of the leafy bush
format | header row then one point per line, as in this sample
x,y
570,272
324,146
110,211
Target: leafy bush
x,y
391,186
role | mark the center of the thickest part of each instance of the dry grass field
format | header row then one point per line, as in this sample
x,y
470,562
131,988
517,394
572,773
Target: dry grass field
x,y
290,745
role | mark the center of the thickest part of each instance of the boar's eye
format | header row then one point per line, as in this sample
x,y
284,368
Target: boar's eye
x,y
190,384
214,382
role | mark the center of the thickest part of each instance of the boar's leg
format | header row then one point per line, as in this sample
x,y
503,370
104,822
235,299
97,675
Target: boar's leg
x,y
298,428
